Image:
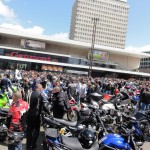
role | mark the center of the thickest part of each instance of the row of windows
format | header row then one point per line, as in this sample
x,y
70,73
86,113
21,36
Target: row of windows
x,y
102,22
101,42
112,20
98,33
93,13
89,28
110,39
101,16
145,59
103,9
144,66
111,17
108,35
95,4
120,30
145,63
101,26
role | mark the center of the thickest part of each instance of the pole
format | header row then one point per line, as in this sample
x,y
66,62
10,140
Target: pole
x,y
92,46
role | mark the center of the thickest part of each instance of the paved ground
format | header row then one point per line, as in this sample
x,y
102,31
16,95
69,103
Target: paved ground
x,y
3,146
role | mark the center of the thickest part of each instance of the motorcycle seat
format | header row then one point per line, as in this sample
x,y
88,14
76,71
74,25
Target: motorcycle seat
x,y
3,114
73,143
5,110
96,96
52,132
51,121
126,102
65,122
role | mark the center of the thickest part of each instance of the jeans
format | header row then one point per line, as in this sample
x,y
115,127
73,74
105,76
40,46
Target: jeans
x,y
17,146
78,99
145,106
107,92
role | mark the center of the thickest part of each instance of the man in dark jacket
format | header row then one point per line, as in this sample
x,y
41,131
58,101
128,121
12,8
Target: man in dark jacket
x,y
5,83
144,102
37,101
61,102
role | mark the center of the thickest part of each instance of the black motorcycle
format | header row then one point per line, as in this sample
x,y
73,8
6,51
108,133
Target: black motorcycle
x,y
143,117
3,128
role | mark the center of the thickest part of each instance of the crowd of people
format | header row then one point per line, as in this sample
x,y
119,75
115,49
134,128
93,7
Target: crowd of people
x,y
30,99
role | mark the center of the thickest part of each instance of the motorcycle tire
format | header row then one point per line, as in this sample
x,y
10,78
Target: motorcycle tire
x,y
147,131
72,115
3,136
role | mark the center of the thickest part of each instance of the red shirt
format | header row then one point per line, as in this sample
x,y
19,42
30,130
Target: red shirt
x,y
16,111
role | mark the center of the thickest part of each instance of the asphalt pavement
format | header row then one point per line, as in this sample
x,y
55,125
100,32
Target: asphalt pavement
x,y
3,146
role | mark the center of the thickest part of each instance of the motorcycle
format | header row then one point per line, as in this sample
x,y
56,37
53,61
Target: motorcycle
x,y
67,128
129,136
72,114
55,141
4,100
3,128
143,117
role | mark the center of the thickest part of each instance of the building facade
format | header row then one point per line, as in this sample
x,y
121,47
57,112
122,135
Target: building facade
x,y
145,64
111,25
24,51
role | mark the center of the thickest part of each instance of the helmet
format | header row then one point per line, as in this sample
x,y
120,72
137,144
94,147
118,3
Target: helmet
x,y
87,138
127,86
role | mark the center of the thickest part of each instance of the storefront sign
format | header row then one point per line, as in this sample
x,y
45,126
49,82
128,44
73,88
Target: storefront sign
x,y
100,55
18,55
31,44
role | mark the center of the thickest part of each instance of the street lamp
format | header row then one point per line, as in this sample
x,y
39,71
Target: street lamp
x,y
92,46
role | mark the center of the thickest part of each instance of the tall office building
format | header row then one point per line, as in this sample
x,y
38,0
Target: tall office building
x,y
112,25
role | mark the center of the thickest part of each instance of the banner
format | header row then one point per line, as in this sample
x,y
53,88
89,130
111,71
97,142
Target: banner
x,y
31,44
100,55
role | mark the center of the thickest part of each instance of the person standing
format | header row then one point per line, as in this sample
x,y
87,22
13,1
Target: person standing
x,y
82,90
61,102
5,83
16,119
36,80
144,102
37,101
25,88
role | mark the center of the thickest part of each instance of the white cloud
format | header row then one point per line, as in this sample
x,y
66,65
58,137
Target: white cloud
x,y
60,35
138,49
7,1
5,11
34,29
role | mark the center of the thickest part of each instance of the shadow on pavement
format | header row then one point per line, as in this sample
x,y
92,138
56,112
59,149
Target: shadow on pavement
x,y
3,144
39,141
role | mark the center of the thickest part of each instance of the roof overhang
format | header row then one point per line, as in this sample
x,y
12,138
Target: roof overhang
x,y
71,43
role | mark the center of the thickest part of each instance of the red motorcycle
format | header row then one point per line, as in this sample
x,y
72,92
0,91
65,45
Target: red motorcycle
x,y
72,114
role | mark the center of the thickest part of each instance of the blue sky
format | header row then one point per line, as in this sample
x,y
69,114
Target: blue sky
x,y
52,17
